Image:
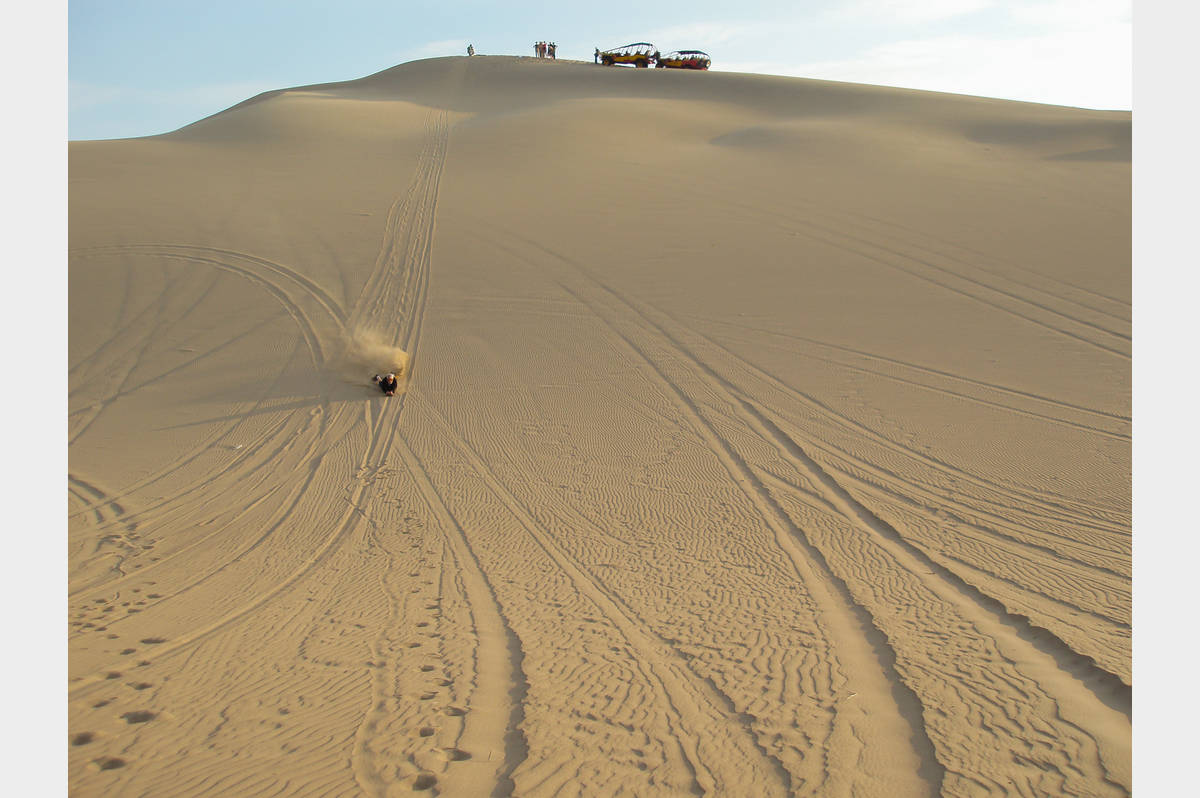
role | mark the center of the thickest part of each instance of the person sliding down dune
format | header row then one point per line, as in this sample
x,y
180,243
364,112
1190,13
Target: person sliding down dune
x,y
387,383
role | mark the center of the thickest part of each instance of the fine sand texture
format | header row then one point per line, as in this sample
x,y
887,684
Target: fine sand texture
x,y
758,436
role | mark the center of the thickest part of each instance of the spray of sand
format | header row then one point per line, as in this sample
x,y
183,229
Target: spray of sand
x,y
367,353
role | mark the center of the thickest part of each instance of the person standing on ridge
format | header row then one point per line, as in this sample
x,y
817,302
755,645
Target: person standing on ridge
x,y
470,49
553,51
596,57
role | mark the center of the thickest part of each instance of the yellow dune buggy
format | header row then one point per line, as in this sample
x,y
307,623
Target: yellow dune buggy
x,y
684,59
640,54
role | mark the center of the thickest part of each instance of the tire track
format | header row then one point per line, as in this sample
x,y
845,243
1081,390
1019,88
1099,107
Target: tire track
x,y
311,339
704,715
309,334
398,286
1077,686
850,425
147,309
398,281
186,251
1049,504
864,648
1058,668
963,396
316,353
989,386
131,359
895,259
125,388
495,718
1100,681
976,256
99,499
349,521
206,446
812,210
856,219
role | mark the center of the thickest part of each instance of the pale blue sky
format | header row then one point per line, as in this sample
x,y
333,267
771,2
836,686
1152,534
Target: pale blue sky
x,y
141,67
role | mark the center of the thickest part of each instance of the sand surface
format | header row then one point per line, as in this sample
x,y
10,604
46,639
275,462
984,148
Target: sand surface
x,y
760,436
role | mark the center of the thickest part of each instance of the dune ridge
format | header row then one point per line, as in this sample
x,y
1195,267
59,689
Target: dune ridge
x,y
759,436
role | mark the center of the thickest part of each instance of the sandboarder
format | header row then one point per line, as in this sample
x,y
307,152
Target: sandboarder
x,y
387,383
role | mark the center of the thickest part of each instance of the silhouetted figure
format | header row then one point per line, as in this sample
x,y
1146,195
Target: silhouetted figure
x,y
553,51
470,49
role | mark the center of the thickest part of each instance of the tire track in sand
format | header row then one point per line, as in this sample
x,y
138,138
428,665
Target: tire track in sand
x,y
936,389
1092,704
994,297
705,716
1097,559
398,286
894,710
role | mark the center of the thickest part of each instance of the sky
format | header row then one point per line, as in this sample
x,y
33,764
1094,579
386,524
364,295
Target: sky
x,y
143,67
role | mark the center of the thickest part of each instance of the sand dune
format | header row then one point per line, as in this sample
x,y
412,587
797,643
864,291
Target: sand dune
x,y
759,436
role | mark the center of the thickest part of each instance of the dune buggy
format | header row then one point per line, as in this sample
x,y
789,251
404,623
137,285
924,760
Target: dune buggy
x,y
683,59
640,54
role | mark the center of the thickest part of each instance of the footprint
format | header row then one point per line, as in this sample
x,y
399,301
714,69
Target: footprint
x,y
424,781
426,731
427,696
454,712
127,651
141,716
83,738
153,640
113,675
141,685
110,763
427,668
455,754
102,703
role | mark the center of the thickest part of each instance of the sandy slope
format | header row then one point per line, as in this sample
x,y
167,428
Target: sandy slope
x,y
763,436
